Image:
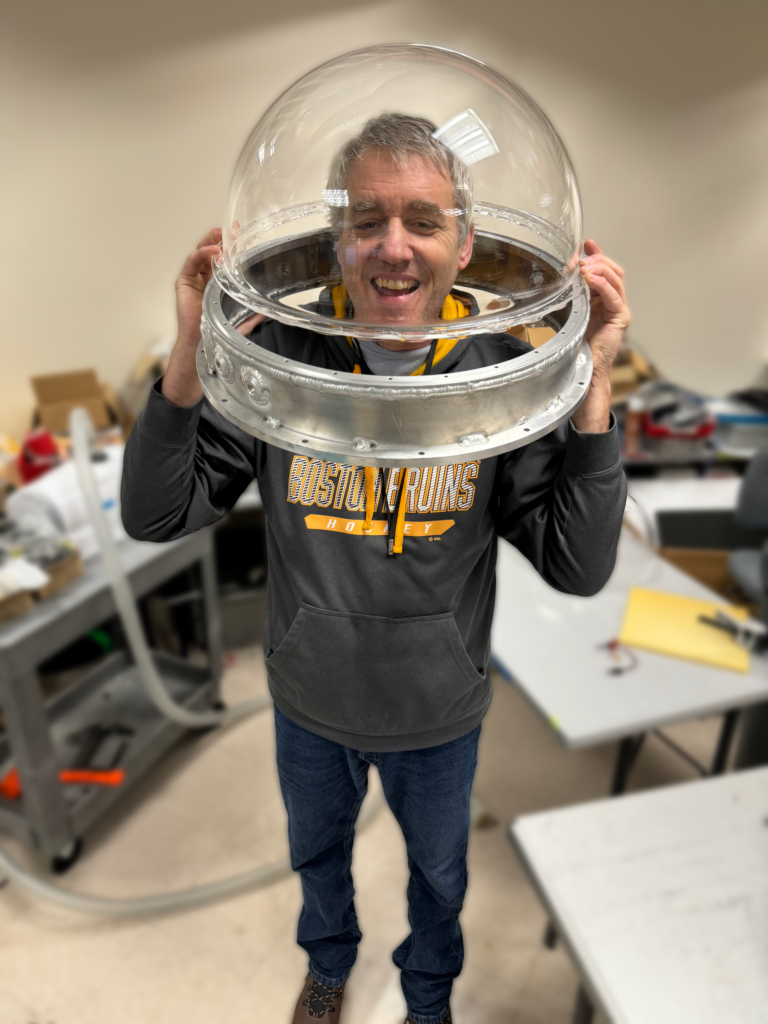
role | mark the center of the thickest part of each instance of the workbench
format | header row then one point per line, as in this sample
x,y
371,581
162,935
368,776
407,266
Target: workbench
x,y
661,899
38,736
552,646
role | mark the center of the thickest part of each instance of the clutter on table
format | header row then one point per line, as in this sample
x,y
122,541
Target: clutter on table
x,y
672,624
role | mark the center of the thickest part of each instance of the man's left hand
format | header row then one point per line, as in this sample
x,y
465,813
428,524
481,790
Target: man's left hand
x,y
608,321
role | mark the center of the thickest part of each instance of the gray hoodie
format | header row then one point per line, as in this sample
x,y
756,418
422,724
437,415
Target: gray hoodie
x,y
373,651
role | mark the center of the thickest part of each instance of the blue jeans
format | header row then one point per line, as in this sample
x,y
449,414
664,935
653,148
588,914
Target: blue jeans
x,y
323,785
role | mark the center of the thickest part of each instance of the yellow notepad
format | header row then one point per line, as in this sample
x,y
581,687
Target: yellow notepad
x,y
668,624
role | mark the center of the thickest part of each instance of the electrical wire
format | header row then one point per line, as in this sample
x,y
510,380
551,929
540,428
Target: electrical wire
x,y
81,430
166,903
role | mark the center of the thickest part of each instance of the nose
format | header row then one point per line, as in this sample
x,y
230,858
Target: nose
x,y
395,244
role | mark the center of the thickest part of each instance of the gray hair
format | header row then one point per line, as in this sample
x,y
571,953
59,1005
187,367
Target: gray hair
x,y
403,135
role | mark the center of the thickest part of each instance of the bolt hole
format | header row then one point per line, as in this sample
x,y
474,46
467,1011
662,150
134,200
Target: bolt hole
x,y
527,429
304,440
286,360
335,373
389,378
224,399
581,382
422,453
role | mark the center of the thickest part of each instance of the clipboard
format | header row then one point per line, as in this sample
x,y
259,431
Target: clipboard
x,y
668,624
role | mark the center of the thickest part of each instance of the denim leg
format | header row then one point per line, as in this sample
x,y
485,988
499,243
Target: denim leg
x,y
323,785
428,792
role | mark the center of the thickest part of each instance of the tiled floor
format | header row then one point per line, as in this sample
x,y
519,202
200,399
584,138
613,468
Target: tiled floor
x,y
214,809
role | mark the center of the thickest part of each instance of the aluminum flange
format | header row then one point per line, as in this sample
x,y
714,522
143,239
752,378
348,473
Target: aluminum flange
x,y
392,421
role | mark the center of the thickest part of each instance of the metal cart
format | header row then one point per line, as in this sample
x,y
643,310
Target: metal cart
x,y
38,736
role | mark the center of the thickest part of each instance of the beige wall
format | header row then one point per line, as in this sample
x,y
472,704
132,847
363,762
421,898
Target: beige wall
x,y
122,123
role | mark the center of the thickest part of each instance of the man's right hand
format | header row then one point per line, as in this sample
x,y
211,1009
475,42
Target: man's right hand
x,y
181,385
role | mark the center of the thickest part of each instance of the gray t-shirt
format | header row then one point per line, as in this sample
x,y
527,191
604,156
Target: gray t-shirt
x,y
385,363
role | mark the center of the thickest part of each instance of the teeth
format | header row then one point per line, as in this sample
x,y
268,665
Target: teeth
x,y
395,286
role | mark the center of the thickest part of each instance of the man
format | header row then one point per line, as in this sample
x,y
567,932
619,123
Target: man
x,y
381,583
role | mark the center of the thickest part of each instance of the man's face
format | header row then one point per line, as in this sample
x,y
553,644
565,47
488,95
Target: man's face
x,y
398,250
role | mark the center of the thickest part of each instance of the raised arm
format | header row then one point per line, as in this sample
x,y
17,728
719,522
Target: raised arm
x,y
185,465
561,499
561,502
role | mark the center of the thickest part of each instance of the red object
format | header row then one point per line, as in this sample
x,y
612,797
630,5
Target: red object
x,y
697,433
10,784
38,455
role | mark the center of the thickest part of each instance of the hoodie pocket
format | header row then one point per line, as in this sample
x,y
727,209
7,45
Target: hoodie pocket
x,y
375,676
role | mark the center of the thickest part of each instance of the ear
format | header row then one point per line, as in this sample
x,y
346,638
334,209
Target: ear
x,y
465,249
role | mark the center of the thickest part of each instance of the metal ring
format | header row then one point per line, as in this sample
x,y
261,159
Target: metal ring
x,y
377,421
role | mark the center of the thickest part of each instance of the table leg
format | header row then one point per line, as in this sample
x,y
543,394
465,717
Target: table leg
x,y
724,742
629,748
583,1011
550,936
29,737
212,618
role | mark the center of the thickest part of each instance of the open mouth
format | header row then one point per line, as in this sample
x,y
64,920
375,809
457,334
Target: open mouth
x,y
394,286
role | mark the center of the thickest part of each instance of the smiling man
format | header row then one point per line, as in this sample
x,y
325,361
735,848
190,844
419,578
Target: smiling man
x,y
381,584
407,230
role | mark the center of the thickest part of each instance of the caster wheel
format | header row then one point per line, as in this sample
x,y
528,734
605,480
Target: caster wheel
x,y
64,860
218,706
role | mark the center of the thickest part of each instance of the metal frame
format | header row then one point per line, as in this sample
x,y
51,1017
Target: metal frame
x,y
390,422
44,817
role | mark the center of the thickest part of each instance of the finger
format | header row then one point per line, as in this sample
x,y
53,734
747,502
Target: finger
x,y
591,248
212,238
199,261
598,262
600,259
248,325
609,274
613,303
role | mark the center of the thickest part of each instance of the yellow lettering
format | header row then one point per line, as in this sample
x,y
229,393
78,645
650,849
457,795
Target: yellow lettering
x,y
466,489
341,486
325,485
379,527
451,488
296,477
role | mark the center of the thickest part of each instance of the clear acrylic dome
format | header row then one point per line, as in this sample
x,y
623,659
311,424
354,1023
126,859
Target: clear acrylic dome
x,y
321,198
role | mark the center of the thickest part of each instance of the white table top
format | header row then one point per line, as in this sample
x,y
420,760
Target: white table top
x,y
550,644
662,898
686,495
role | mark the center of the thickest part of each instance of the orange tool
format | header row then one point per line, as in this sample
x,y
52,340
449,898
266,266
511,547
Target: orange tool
x,y
10,784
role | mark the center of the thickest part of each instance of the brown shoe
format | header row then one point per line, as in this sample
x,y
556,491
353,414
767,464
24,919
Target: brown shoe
x,y
317,1002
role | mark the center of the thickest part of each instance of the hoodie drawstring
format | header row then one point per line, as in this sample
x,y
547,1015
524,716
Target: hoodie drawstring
x,y
453,309
396,543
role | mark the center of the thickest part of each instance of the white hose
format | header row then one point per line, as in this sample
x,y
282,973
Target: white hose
x,y
172,902
81,431
187,899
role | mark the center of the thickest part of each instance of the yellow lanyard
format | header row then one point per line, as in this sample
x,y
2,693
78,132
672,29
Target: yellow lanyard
x,y
453,309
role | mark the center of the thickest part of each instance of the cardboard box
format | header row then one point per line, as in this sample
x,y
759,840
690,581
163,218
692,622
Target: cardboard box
x,y
63,572
710,567
58,394
535,336
15,604
629,372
